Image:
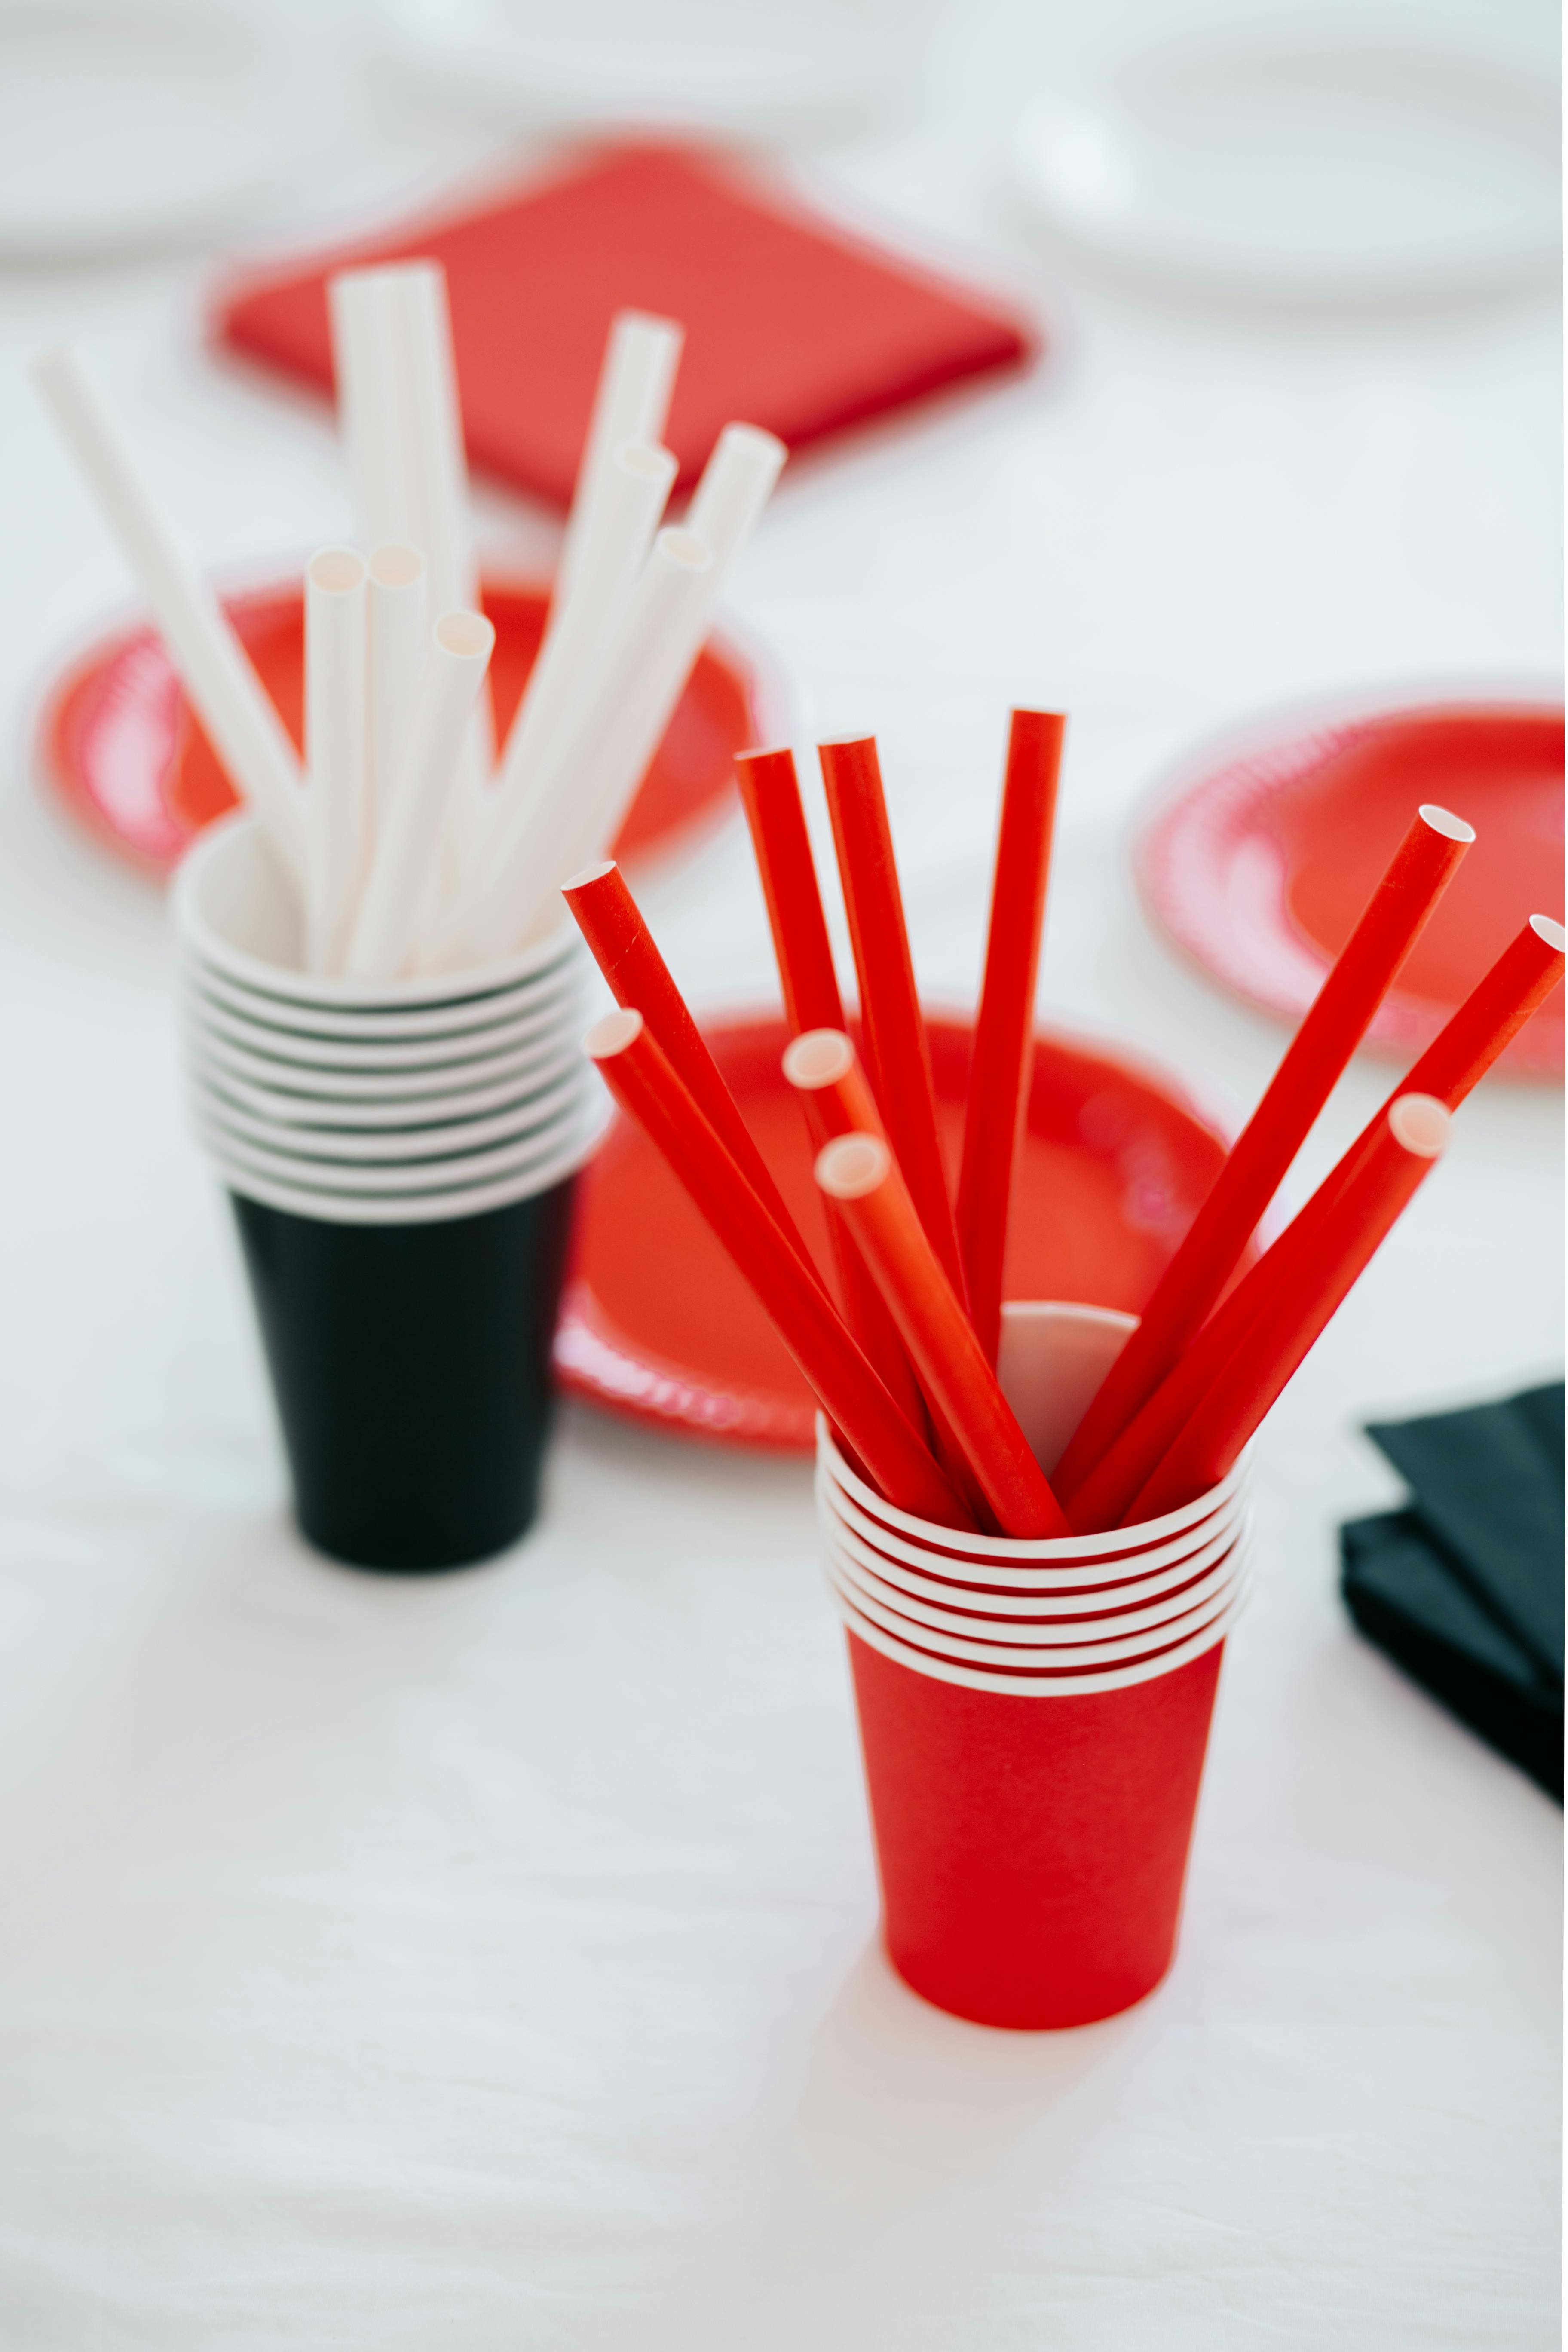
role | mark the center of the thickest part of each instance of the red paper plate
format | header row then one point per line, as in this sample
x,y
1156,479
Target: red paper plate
x,y
1260,869
658,1324
117,743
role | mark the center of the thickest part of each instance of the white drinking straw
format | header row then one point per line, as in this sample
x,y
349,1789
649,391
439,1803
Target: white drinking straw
x,y
359,312
430,454
230,699
630,403
336,710
637,486
450,684
397,388
398,633
584,785
736,482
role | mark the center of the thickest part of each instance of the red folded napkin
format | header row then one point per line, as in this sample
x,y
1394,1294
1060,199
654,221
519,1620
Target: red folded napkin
x,y
790,323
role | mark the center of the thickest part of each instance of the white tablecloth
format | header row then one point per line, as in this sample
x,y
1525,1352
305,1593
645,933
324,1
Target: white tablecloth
x,y
492,1960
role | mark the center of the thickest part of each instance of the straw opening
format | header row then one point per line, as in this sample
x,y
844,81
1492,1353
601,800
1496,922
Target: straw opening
x,y
853,1165
818,1058
337,571
613,1034
468,635
1420,1123
396,567
1443,821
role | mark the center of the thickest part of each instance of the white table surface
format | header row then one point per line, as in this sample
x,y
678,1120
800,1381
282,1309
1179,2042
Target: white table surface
x,y
492,1960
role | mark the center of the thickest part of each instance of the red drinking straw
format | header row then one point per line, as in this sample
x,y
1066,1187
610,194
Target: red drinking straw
x,y
1004,1055
1411,1140
860,1172
623,947
896,1047
769,794
1335,1025
820,1065
1497,1008
895,1457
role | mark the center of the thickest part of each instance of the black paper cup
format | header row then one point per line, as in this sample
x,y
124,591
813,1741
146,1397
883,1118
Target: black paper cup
x,y
411,1369
401,1161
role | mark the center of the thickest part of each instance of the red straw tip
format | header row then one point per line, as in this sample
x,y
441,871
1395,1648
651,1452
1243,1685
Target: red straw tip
x,y
1420,1124
613,1034
844,743
853,1165
818,1058
761,751
1551,934
1443,821
589,873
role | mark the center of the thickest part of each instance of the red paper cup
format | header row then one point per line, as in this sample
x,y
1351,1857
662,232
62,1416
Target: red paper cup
x,y
1034,1716
1032,1849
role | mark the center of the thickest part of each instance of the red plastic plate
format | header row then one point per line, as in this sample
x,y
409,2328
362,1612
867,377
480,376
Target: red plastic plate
x,y
1259,870
118,745
658,1324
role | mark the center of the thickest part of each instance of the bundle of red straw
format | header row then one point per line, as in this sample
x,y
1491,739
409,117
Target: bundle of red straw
x,y
901,1345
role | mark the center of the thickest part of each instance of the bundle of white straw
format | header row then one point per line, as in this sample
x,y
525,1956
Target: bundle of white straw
x,y
403,860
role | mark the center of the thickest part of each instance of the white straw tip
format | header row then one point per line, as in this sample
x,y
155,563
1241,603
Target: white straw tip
x,y
467,636
818,1058
588,874
684,547
613,1034
1420,1125
645,322
1548,933
336,572
761,446
647,462
1443,821
853,1165
396,567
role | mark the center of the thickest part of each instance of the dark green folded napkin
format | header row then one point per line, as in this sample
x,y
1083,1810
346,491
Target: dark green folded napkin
x,y
1464,1587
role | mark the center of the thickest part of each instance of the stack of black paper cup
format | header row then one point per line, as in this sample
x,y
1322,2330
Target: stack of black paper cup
x,y
401,1158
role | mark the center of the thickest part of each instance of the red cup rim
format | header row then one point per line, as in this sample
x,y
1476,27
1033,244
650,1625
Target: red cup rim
x,y
1067,1685
1011,1562
1108,1646
1020,1550
1007,1608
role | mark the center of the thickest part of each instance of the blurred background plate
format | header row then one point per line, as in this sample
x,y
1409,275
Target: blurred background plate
x,y
116,742
128,127
748,68
1260,867
1320,162
657,1323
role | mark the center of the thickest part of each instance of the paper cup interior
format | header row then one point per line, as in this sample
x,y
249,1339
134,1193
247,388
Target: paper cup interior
x,y
238,910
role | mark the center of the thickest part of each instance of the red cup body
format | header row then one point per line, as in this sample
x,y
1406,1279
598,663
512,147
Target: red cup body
x,y
1032,1851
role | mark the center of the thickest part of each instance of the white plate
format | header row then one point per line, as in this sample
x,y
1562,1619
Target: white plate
x,y
1341,163
748,66
132,126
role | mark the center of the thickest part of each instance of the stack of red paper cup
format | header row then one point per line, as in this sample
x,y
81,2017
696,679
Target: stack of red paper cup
x,y
1034,1714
